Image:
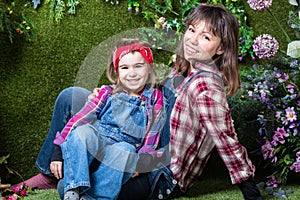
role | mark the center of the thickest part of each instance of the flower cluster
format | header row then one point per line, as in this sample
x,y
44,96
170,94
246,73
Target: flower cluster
x,y
276,89
296,165
18,193
265,46
259,4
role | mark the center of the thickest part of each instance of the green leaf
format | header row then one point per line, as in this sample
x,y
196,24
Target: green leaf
x,y
3,159
293,49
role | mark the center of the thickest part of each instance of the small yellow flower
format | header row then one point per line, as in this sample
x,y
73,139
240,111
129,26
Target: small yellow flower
x,y
10,12
23,22
27,27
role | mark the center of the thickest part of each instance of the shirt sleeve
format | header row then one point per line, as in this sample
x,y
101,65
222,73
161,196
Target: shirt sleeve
x,y
152,138
213,112
86,115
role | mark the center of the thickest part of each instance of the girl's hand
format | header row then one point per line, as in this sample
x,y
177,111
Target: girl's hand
x,y
56,169
94,94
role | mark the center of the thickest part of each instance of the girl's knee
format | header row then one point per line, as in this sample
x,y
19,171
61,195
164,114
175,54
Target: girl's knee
x,y
124,146
85,133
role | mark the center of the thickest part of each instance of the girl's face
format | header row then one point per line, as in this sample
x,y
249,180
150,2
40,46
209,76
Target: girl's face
x,y
133,72
200,44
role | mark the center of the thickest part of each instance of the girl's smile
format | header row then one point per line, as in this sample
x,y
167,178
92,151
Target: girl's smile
x,y
133,72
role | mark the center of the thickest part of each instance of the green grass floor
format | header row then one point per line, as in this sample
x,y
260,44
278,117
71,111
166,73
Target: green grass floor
x,y
209,189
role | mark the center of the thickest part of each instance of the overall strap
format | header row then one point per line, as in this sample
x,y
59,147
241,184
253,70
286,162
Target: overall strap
x,y
200,72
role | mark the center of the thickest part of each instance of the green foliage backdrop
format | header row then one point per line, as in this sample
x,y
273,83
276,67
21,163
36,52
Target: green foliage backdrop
x,y
33,74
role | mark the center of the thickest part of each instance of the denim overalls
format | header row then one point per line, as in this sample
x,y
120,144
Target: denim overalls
x,y
113,140
163,184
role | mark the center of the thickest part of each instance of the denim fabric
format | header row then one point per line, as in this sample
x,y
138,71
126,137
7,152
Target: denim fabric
x,y
116,158
161,180
68,102
108,141
123,118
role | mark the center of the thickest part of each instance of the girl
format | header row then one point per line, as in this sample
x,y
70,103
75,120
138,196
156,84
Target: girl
x,y
129,118
205,72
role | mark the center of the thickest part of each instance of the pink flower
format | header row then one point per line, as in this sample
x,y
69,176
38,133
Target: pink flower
x,y
16,189
259,4
23,193
14,197
265,46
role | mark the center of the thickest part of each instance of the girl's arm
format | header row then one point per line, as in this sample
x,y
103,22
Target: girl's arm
x,y
86,115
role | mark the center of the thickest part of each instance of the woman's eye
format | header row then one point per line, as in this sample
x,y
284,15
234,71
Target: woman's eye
x,y
206,38
191,29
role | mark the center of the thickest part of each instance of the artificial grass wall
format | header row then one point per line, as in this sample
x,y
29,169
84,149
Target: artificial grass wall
x,y
33,74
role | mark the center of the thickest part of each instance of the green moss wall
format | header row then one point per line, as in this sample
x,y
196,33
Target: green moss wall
x,y
33,74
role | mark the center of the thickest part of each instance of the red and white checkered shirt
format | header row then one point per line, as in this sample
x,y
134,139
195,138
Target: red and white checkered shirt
x,y
200,121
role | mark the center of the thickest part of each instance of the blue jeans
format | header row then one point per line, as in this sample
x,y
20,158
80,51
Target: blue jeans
x,y
68,102
82,146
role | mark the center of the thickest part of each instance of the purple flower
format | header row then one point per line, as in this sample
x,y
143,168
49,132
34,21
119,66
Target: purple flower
x,y
265,46
296,165
291,88
282,77
294,63
259,4
278,114
279,136
273,181
291,114
267,150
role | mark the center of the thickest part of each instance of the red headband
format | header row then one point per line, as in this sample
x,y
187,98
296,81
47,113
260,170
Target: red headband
x,y
123,50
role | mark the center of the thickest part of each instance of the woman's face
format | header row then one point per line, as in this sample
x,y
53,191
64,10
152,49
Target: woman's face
x,y
133,72
200,44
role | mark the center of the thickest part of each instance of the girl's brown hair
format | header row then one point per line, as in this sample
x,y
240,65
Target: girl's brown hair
x,y
112,74
225,25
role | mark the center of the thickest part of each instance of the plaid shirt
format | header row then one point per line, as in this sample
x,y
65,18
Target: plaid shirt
x,y
200,121
88,114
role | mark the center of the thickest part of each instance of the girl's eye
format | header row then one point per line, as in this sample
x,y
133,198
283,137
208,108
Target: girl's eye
x,y
123,67
139,66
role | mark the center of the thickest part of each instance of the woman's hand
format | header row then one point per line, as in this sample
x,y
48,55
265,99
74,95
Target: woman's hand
x,y
94,94
135,174
56,169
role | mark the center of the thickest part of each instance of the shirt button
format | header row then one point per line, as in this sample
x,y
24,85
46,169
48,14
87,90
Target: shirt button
x,y
174,182
160,196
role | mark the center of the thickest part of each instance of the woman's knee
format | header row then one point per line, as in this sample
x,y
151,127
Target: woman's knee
x,y
74,97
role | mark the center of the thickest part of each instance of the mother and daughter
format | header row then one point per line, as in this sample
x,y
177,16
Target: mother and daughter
x,y
132,140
